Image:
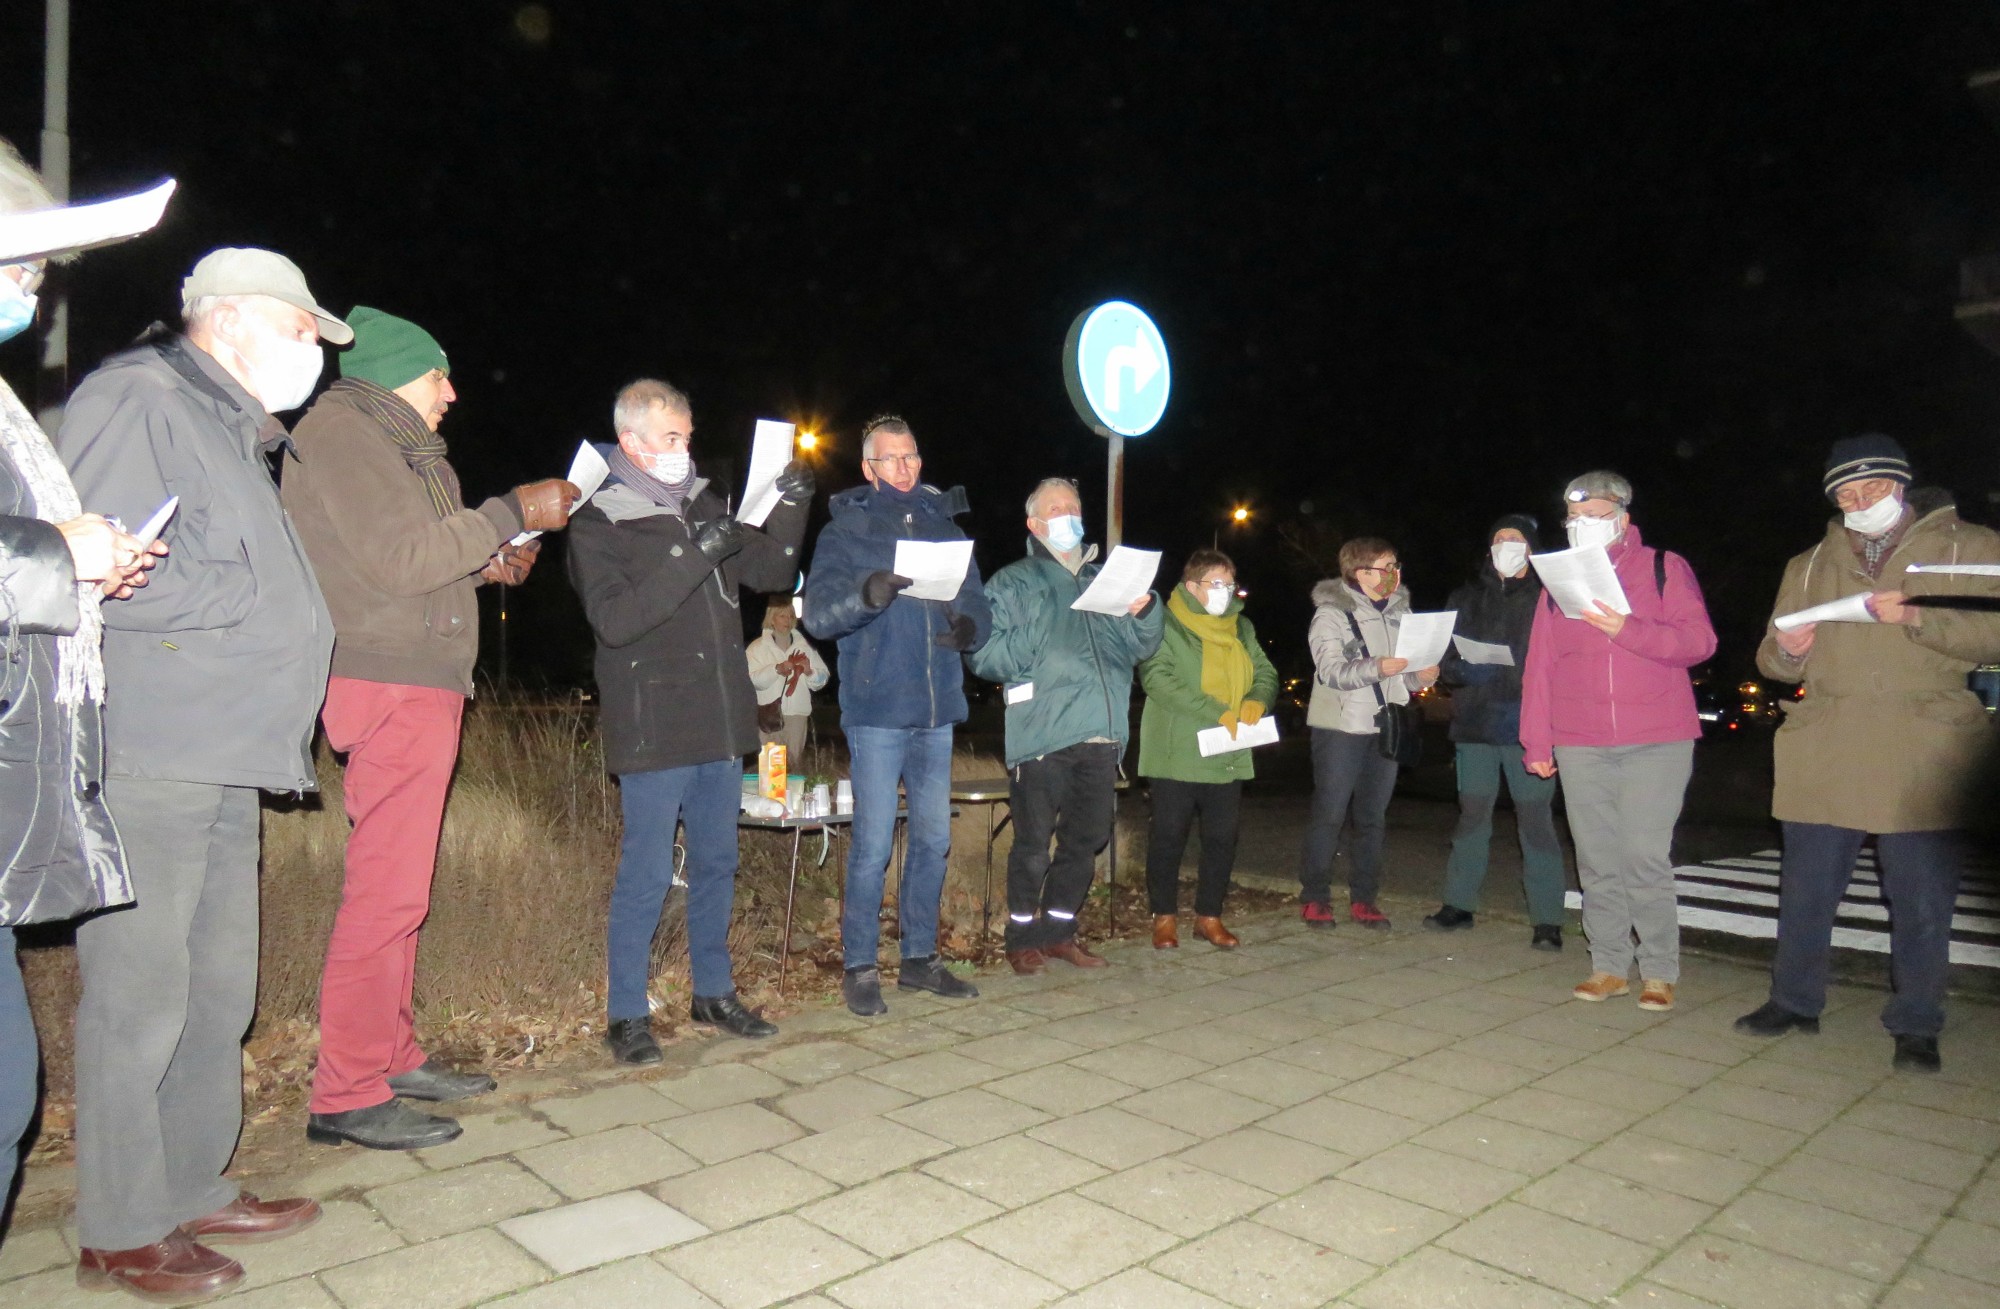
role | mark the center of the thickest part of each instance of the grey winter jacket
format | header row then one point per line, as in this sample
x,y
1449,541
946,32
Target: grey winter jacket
x,y
1346,670
61,855
216,669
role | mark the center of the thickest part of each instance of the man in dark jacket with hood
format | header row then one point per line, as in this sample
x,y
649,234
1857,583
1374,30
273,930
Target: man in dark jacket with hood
x,y
658,561
902,687
1068,678
1497,607
398,555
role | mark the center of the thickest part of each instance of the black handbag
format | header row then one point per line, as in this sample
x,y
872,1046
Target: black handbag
x,y
1398,727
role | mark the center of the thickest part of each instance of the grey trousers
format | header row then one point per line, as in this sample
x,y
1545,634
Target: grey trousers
x,y
169,986
1623,803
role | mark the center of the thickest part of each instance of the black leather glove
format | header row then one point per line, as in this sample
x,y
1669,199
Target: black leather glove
x,y
720,539
959,635
796,483
878,589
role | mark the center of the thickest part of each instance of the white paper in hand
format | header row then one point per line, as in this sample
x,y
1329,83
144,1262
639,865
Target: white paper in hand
x,y
29,237
1961,570
1577,579
587,471
1847,609
1217,740
770,451
1483,652
936,569
157,523
1126,575
1423,638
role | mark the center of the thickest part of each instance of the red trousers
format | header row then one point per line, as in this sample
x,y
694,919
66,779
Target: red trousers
x,y
401,744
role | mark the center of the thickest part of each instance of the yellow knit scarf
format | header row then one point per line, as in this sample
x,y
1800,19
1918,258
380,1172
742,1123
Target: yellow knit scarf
x,y
1226,670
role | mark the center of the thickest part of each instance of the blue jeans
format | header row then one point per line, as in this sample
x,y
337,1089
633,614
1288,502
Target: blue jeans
x,y
20,1061
706,797
920,757
1480,771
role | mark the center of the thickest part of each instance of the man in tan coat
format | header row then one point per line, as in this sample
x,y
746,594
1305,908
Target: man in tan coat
x,y
1885,740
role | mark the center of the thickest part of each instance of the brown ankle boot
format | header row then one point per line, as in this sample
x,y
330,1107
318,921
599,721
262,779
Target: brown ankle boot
x,y
1212,931
1166,932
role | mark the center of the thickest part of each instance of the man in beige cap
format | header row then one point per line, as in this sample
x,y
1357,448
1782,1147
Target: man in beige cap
x,y
220,665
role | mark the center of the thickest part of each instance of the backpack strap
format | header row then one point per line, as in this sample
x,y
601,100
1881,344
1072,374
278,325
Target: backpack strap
x,y
1660,573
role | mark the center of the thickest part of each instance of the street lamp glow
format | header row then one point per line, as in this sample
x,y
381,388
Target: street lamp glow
x,y
1241,514
808,440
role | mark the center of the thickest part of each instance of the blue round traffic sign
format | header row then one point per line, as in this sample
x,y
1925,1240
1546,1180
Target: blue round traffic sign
x,y
1115,366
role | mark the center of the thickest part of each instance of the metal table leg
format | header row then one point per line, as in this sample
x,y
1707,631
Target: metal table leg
x,y
791,896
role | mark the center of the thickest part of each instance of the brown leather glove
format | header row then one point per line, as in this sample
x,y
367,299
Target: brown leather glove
x,y
545,505
511,565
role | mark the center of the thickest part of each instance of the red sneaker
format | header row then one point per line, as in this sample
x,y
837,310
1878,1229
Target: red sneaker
x,y
1368,915
1318,913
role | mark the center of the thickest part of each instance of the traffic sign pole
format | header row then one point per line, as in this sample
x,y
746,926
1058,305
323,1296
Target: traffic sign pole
x,y
1115,368
1114,495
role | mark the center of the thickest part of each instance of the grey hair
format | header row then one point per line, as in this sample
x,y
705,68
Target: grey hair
x,y
893,424
1034,496
22,188
635,398
199,312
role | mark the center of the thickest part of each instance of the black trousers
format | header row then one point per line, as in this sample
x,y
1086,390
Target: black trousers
x,y
1175,805
1067,795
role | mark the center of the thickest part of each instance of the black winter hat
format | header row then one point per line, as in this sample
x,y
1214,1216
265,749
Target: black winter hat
x,y
1526,524
1869,455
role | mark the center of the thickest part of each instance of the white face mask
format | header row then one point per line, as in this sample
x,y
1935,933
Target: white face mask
x,y
1216,598
672,467
1586,532
1509,557
284,376
17,309
1065,533
1876,518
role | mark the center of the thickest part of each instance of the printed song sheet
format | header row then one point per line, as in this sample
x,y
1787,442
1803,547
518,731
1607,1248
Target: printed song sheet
x,y
1126,575
1847,609
1217,740
26,238
770,451
1423,638
1483,652
936,569
1577,579
587,470
1959,570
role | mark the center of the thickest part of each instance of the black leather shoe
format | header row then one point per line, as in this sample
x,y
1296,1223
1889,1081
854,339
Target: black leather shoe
x,y
862,989
631,1041
391,1125
1448,918
1548,936
1918,1054
1775,1020
728,1013
431,1080
931,975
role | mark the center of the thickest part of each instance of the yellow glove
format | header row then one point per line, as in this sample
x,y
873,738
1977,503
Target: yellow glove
x,y
1228,720
1250,711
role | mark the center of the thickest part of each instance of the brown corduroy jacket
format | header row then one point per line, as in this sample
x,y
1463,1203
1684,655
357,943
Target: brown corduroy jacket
x,y
398,578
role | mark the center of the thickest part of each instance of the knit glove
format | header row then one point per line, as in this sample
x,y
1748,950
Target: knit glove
x,y
796,484
1249,712
545,505
878,589
720,539
959,634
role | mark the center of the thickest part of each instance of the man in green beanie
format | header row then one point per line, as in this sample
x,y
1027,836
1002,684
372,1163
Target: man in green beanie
x,y
398,556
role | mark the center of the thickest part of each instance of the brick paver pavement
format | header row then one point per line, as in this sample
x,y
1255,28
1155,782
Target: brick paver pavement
x,y
1404,1120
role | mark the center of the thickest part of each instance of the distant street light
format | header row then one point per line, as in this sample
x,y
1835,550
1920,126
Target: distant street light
x,y
808,440
1241,515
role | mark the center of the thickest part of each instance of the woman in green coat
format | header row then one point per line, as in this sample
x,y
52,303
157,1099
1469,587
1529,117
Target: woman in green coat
x,y
1209,672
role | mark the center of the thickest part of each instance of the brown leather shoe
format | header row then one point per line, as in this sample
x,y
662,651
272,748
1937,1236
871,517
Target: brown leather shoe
x,y
175,1270
1601,986
1166,932
1025,961
250,1219
1072,953
1212,931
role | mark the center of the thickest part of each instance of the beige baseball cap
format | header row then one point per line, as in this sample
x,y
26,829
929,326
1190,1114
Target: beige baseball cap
x,y
246,270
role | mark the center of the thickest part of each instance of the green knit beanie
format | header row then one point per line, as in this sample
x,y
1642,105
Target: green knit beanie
x,y
388,350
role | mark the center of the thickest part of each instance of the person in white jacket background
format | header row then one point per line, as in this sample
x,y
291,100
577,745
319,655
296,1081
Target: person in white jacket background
x,y
785,670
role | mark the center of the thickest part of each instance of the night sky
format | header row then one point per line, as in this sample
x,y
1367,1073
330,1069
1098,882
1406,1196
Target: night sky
x,y
1417,264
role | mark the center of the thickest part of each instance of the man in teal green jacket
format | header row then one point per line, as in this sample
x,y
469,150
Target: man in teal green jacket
x,y
1068,680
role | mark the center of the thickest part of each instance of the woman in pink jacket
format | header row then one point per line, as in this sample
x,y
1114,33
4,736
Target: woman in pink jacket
x,y
1606,698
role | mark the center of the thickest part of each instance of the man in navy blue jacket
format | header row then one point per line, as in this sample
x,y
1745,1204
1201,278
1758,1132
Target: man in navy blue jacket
x,y
902,687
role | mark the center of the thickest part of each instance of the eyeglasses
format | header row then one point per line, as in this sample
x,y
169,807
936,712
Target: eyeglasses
x,y
1390,571
896,461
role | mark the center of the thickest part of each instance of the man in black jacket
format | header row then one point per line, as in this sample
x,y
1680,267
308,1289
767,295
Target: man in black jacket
x,y
1497,607
658,561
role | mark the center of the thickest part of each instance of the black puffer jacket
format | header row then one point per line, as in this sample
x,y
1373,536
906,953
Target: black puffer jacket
x,y
1486,698
61,856
674,684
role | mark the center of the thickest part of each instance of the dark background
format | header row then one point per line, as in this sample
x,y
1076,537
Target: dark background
x,y
1417,264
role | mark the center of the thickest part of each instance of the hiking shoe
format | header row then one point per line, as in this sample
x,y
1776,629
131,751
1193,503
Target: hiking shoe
x,y
1657,996
862,989
1601,986
1773,1019
930,974
1448,918
1547,937
1318,913
1918,1054
631,1041
1367,915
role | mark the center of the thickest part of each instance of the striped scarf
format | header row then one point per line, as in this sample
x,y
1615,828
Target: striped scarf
x,y
422,449
80,655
